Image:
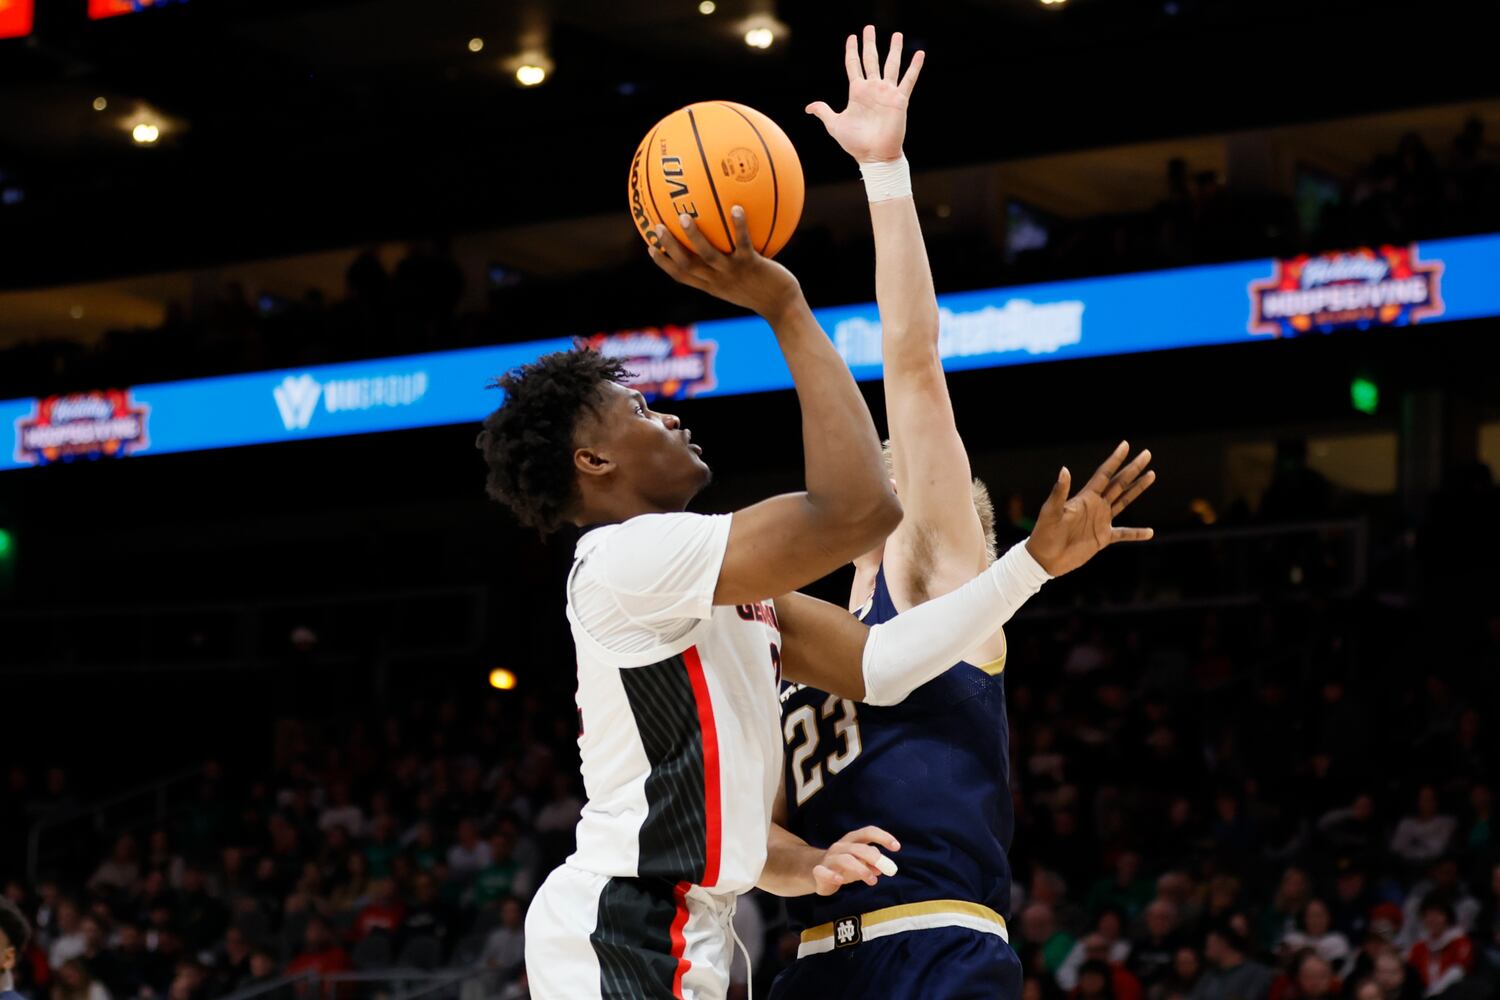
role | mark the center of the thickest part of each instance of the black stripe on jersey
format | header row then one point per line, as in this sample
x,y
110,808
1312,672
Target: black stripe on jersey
x,y
674,836
633,939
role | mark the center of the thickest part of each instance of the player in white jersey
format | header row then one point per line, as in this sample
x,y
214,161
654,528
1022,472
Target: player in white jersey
x,y
684,625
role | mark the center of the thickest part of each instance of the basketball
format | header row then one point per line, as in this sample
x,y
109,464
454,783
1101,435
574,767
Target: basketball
x,y
704,159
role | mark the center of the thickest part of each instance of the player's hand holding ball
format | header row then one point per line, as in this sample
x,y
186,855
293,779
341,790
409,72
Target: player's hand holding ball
x,y
855,859
1070,531
742,277
872,126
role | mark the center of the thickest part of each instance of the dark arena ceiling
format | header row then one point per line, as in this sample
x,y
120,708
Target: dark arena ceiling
x,y
290,125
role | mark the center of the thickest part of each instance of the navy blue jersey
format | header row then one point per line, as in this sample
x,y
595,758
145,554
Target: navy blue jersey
x,y
943,963
934,771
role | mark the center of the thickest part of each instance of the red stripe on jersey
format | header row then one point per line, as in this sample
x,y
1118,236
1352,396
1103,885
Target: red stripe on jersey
x,y
679,943
713,813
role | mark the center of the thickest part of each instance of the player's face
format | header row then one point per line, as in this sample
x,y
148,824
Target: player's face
x,y
652,451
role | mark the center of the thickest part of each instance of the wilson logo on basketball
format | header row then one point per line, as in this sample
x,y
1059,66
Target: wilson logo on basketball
x,y
740,164
638,211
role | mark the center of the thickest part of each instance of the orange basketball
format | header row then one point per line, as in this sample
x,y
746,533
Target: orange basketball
x,y
707,157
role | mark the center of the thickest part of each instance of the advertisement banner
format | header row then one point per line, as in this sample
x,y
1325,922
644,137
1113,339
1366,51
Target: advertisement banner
x,y
1360,289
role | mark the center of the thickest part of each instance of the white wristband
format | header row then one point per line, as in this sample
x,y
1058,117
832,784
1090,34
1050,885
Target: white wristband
x,y
886,180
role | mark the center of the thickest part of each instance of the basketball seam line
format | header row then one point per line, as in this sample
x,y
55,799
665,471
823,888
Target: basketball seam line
x,y
712,188
646,169
771,161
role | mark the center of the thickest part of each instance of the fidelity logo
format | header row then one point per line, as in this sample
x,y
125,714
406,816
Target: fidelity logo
x,y
297,396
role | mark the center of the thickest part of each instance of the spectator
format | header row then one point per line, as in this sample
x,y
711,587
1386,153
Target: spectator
x,y
383,912
560,814
1443,881
161,857
503,876
75,983
121,870
1481,838
69,941
351,893
1421,839
505,948
1311,978
1487,921
96,957
201,916
427,915
423,848
1040,932
384,847
1292,897
1126,891
1107,942
1352,830
1351,900
1187,970
1443,955
342,811
189,983
470,855
1315,932
132,963
1396,979
1095,982
263,970
320,953
1231,974
1154,949
15,935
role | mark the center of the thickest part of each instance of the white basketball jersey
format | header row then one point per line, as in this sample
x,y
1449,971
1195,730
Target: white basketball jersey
x,y
681,734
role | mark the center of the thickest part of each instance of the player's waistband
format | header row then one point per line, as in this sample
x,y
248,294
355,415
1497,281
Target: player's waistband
x,y
846,932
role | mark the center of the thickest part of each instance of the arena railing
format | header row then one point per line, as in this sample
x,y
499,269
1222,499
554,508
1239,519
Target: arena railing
x,y
151,798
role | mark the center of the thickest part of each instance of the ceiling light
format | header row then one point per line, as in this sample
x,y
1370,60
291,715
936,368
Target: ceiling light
x,y
100,104
707,7
530,74
476,44
145,133
760,38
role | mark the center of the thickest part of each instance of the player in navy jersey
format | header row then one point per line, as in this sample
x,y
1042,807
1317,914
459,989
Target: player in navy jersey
x,y
932,769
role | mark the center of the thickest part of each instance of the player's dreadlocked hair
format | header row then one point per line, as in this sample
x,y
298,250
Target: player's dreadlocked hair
x,y
528,441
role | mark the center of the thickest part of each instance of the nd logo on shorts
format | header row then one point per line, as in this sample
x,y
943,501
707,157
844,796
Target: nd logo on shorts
x,y
847,932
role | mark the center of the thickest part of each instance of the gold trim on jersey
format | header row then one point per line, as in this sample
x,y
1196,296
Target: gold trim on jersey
x,y
995,667
932,908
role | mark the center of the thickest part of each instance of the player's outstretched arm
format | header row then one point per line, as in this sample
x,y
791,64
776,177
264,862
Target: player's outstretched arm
x,y
827,648
930,462
848,507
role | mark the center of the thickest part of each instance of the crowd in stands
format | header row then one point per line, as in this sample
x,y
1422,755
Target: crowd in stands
x,y
1410,193
1291,803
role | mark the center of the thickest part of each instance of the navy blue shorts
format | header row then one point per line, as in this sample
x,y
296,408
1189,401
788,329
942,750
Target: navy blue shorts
x,y
939,963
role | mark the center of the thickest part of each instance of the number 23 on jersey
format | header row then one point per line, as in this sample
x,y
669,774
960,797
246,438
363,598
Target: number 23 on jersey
x,y
803,735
